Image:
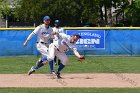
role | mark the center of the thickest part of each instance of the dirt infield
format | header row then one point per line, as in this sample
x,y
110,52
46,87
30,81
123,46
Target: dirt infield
x,y
121,80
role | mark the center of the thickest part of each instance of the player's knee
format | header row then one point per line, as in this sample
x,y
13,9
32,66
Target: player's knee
x,y
51,58
45,62
64,63
65,60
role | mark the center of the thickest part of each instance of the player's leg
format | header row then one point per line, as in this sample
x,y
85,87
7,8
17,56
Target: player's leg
x,y
55,59
50,54
44,51
34,68
59,61
49,57
64,59
51,66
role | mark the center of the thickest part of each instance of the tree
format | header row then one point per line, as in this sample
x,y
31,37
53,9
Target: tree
x,y
75,12
133,13
6,9
70,12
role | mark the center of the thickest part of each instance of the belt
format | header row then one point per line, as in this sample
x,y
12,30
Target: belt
x,y
41,42
56,48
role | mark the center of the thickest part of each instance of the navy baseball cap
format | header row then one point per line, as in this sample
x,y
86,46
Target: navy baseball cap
x,y
46,18
76,34
56,21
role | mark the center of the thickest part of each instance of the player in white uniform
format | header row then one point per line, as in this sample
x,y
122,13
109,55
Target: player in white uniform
x,y
58,48
44,32
57,29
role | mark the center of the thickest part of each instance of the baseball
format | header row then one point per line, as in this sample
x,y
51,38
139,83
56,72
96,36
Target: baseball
x,y
86,46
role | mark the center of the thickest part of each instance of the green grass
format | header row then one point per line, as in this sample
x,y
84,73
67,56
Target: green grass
x,y
92,64
69,90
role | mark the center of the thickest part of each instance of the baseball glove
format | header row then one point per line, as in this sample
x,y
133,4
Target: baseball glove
x,y
81,58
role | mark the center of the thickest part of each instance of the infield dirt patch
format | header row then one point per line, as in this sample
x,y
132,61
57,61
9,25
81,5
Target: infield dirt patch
x,y
121,80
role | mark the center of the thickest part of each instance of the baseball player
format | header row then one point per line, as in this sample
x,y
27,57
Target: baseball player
x,y
44,33
58,48
58,29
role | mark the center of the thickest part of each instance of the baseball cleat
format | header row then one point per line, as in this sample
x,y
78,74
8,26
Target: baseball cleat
x,y
52,72
55,63
58,75
32,70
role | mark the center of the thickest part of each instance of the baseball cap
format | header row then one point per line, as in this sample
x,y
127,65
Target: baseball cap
x,y
76,34
56,21
46,18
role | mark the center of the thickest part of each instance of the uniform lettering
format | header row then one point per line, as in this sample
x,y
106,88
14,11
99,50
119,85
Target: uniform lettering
x,y
44,33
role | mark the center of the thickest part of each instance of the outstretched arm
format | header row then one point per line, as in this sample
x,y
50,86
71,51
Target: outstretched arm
x,y
29,37
60,35
77,54
80,57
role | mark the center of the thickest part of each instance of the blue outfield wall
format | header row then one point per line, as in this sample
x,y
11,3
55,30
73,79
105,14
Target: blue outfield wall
x,y
115,41
12,43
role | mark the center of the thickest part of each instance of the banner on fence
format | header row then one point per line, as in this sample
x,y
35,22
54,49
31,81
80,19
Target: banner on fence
x,y
91,39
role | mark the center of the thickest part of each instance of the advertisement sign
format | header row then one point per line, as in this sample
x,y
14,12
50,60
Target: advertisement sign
x,y
91,39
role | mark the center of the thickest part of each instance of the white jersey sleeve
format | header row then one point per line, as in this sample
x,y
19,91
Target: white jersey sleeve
x,y
30,36
63,43
75,51
74,48
58,30
61,30
37,29
63,36
34,32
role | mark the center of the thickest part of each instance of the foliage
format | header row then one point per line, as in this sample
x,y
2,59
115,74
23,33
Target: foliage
x,y
133,13
4,7
73,12
7,8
